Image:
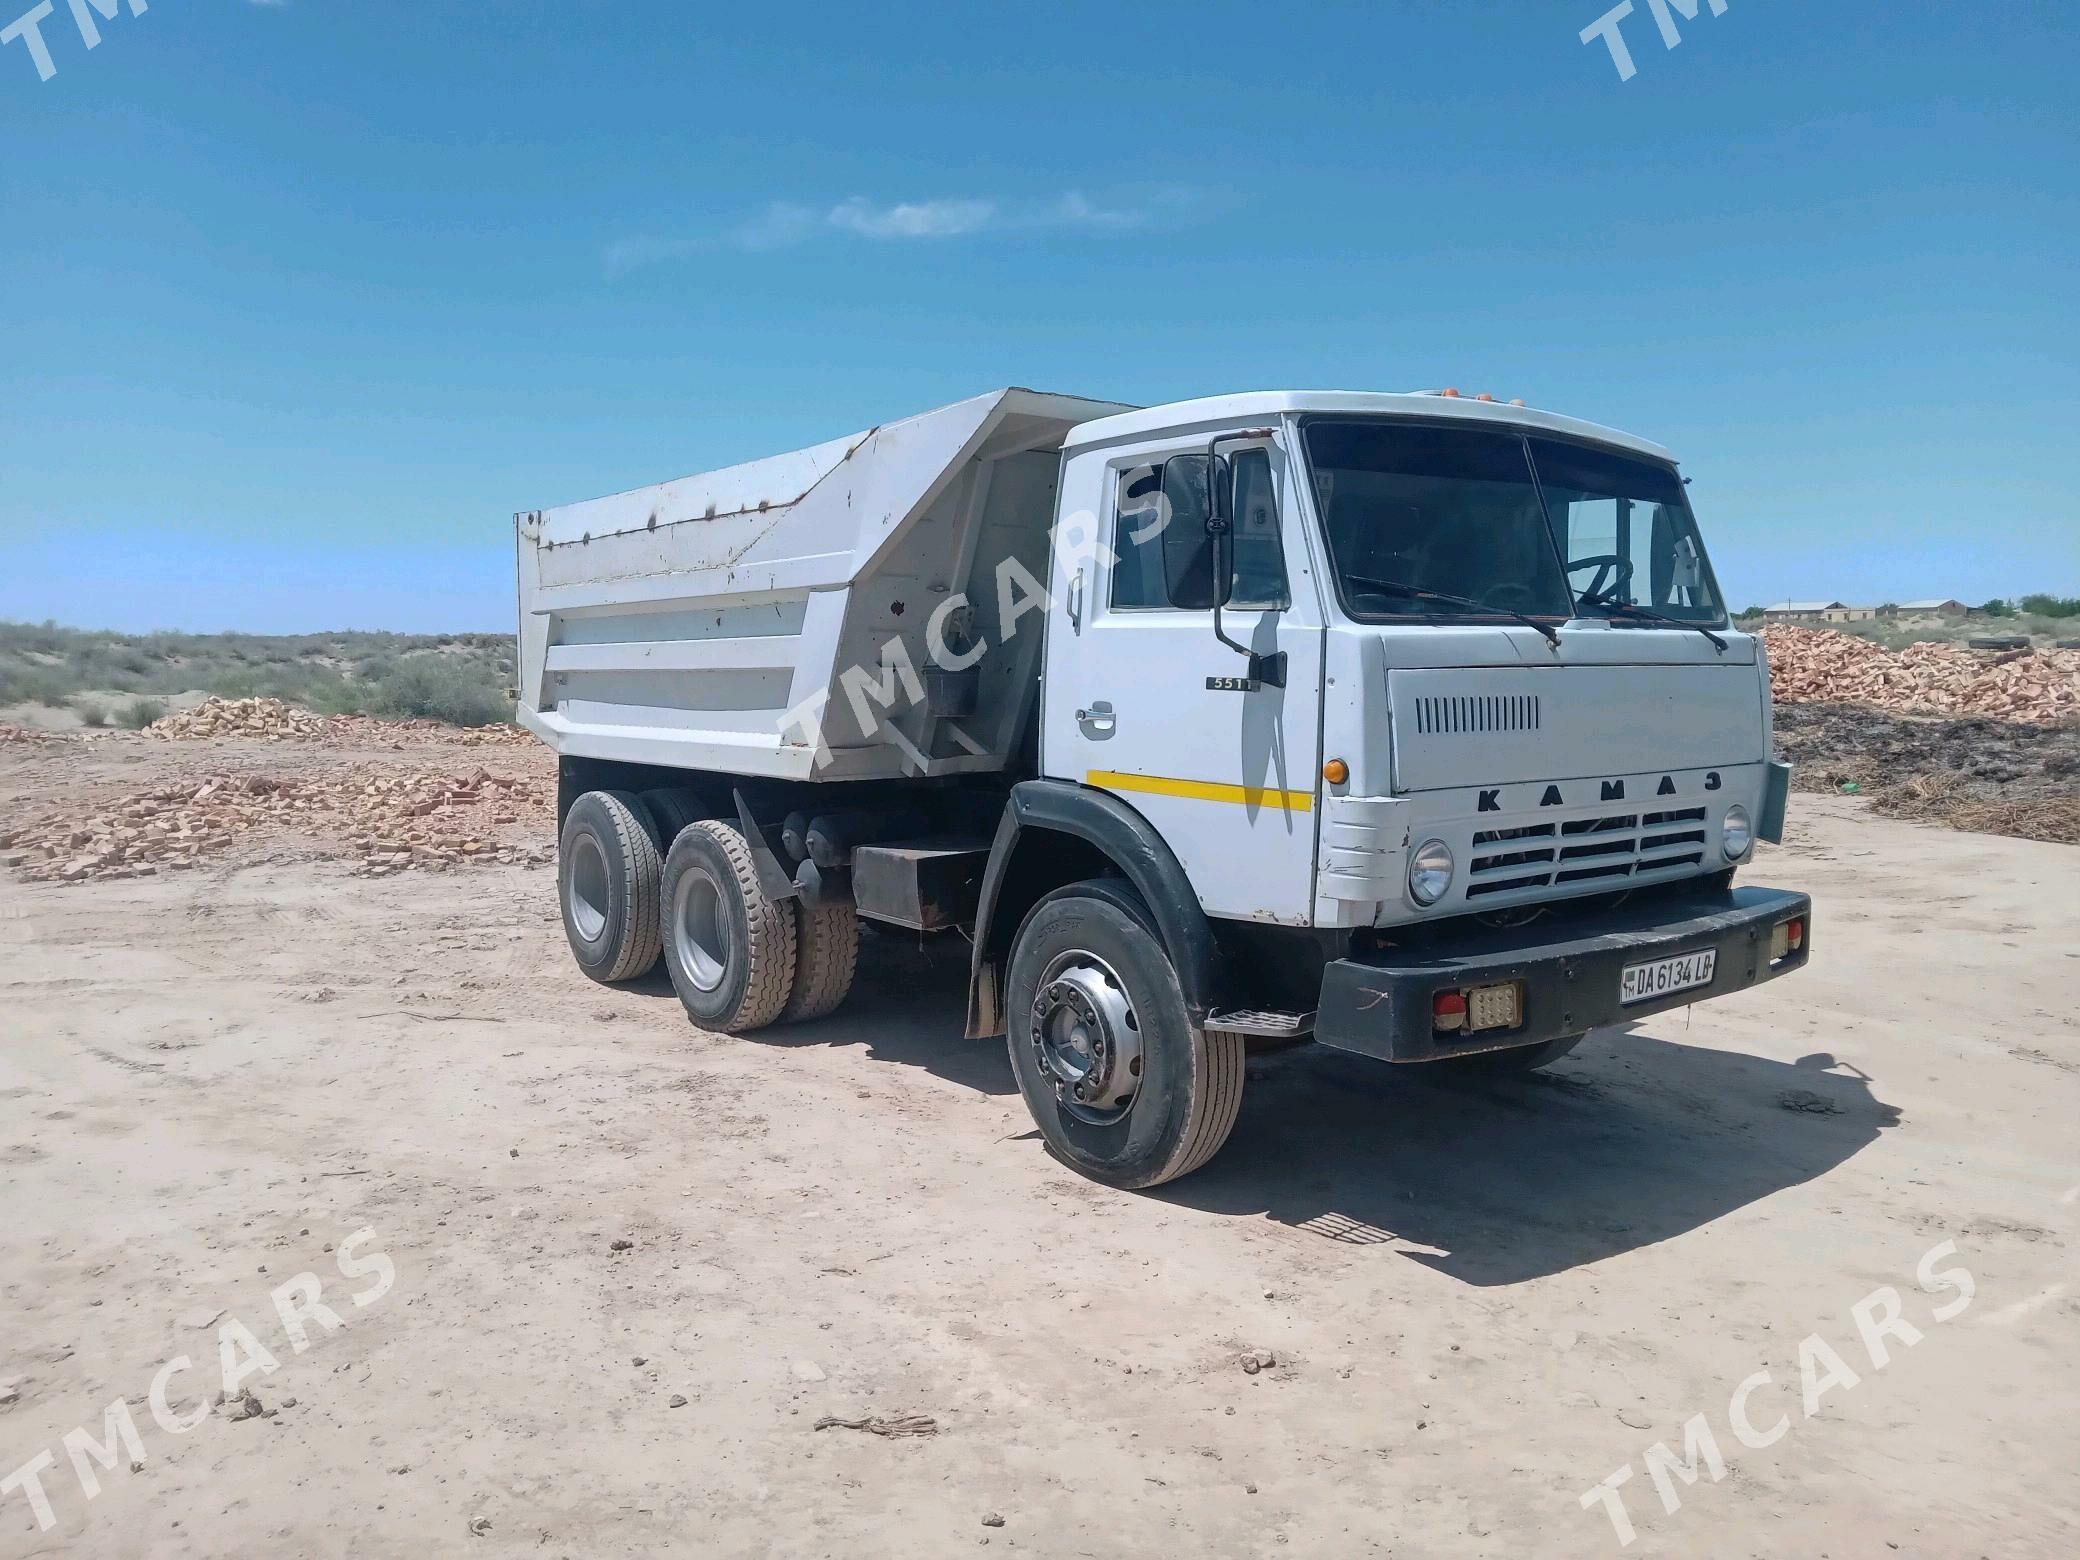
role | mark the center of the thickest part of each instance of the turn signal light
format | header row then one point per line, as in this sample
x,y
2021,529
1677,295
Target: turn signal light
x,y
1448,1010
1336,771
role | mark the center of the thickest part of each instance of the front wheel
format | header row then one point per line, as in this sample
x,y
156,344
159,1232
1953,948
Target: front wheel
x,y
1121,1084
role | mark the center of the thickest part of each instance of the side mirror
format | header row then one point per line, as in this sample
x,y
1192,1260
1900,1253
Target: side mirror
x,y
1198,566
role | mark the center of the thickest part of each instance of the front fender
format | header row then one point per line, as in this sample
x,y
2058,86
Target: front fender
x,y
1130,845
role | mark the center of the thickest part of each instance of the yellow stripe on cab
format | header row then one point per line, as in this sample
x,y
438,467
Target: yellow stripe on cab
x,y
1202,790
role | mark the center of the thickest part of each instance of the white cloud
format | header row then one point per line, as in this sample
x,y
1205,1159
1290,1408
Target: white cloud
x,y
779,225
913,218
1075,209
784,224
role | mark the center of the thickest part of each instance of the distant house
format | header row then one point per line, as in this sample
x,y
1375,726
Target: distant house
x,y
1945,608
1800,611
1817,612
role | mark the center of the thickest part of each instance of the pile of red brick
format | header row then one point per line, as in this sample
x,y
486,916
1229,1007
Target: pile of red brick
x,y
2041,687
274,721
388,821
10,734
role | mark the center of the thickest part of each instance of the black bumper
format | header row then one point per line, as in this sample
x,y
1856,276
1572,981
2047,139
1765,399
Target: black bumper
x,y
1379,1004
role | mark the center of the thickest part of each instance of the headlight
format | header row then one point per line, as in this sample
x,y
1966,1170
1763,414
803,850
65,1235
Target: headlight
x,y
1736,834
1430,872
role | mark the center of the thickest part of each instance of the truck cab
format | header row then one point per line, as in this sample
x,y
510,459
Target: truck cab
x,y
1409,724
1451,586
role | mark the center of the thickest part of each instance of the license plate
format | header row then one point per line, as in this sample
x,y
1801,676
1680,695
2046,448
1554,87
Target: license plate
x,y
1659,977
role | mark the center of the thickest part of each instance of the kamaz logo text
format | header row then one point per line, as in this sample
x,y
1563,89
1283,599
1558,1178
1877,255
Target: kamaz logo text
x,y
1490,797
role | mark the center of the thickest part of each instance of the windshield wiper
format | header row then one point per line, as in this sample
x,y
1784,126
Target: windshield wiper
x,y
1634,609
1466,603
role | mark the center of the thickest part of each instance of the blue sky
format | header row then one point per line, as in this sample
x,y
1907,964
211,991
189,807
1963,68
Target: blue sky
x,y
304,299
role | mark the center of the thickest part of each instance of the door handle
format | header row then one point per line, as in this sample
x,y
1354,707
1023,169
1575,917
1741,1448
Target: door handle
x,y
1076,602
1098,720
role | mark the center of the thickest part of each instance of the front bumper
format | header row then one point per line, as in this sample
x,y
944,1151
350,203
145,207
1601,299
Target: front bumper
x,y
1379,1004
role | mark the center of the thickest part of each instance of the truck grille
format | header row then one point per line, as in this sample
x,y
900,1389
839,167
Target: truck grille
x,y
1579,850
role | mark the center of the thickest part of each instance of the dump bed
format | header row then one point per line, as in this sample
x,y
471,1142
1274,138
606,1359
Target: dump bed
x,y
746,620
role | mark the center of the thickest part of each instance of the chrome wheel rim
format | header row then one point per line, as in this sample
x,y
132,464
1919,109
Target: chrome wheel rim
x,y
700,929
1086,1038
585,897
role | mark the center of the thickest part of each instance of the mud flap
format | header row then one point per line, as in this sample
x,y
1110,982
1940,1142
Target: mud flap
x,y
772,877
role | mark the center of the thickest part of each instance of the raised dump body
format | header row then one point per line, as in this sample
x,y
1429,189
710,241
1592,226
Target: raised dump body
x,y
708,623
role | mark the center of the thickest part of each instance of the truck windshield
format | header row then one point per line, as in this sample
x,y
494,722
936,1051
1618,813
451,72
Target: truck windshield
x,y
1410,508
1625,527
1416,512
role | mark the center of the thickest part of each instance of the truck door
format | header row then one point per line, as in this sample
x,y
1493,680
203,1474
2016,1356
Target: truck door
x,y
1229,778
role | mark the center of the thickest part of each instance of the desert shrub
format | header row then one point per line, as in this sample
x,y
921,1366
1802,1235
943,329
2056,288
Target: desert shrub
x,y
31,685
92,715
463,677
140,713
440,688
2051,606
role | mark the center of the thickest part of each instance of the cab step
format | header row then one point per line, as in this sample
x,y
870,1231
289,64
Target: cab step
x,y
1268,1025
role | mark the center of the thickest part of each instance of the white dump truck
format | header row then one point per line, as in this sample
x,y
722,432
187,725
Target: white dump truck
x,y
1409,724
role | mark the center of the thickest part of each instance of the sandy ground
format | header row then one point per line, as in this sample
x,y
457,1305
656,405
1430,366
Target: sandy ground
x,y
110,701
1480,1302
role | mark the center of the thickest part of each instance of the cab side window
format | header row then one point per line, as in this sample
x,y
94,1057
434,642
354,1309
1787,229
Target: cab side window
x,y
1137,540
1259,551
1260,556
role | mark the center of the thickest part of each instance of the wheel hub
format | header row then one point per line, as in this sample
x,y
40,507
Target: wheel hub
x,y
585,889
1086,1038
700,929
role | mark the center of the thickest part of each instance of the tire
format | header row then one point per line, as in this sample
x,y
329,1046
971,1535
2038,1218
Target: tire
x,y
1096,943
826,941
1517,1059
729,949
672,811
607,886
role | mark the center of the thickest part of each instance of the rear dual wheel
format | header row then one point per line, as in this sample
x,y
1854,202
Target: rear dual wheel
x,y
642,875
738,958
607,885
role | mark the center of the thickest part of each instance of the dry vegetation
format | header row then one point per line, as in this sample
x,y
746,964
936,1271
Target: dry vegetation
x,y
127,679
